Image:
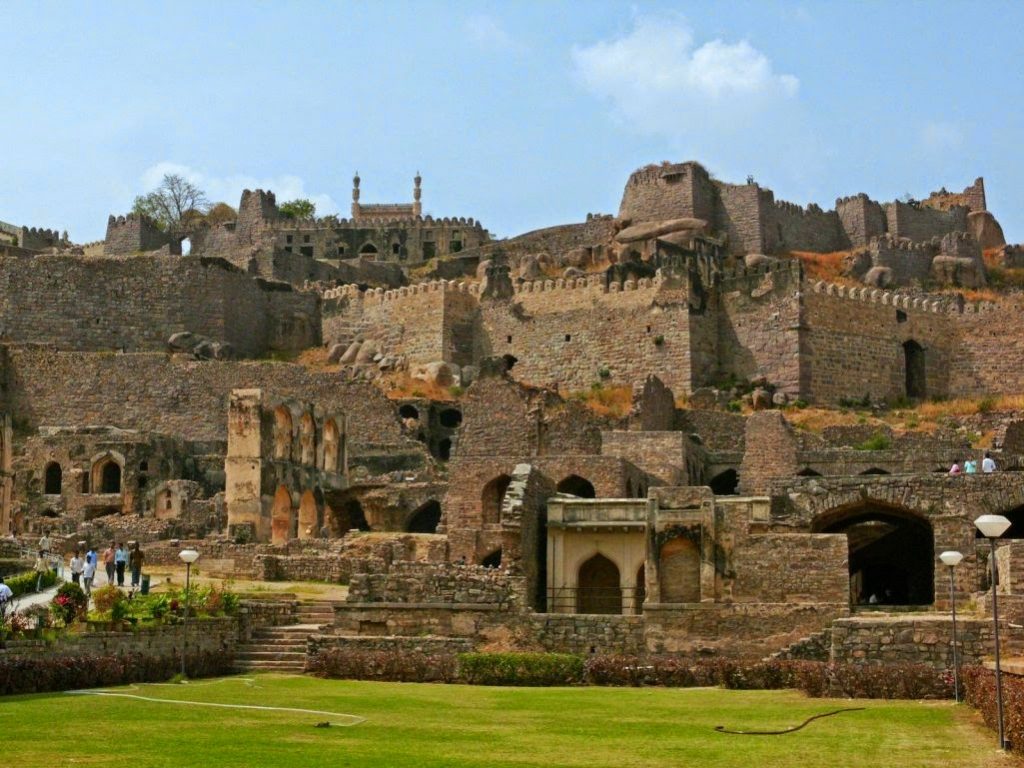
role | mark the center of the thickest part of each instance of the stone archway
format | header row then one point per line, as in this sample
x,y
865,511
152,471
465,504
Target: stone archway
x,y
426,518
310,516
892,552
53,477
577,486
332,442
492,498
725,483
599,587
281,516
282,433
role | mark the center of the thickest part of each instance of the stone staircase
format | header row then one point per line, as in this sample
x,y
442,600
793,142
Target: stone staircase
x,y
283,648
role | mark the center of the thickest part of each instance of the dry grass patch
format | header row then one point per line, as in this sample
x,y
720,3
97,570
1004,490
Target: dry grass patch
x,y
825,266
613,402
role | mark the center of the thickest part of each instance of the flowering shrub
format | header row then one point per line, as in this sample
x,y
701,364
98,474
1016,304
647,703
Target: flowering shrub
x,y
105,598
69,604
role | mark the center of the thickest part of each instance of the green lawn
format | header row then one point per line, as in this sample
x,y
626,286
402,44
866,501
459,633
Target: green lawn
x,y
438,725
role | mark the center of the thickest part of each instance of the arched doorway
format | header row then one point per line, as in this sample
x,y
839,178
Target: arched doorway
x,y
679,571
599,588
332,442
108,476
368,252
492,560
281,516
347,515
914,362
426,518
282,433
892,552
307,438
577,486
309,516
450,418
492,498
52,478
725,483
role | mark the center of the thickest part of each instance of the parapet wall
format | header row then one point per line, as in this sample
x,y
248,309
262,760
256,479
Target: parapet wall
x,y
920,223
133,233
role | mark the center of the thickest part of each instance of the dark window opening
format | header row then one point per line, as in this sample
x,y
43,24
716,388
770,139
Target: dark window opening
x,y
85,482
143,466
510,360
110,478
577,486
444,449
305,238
725,483
395,248
599,588
429,250
306,250
426,518
568,337
408,411
456,246
493,560
901,316
341,250
288,238
287,249
508,339
450,418
52,480
349,516
368,250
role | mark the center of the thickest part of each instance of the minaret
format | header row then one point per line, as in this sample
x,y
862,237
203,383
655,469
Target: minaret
x,y
355,196
417,206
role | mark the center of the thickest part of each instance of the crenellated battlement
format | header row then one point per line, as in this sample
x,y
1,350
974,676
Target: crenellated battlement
x,y
794,209
333,222
931,304
890,243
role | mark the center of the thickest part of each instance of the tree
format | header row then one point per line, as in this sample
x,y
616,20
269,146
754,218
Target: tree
x,y
173,204
220,213
298,209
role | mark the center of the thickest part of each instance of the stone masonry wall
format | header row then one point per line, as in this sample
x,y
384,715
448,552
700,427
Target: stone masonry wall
x,y
917,640
860,219
786,568
922,223
136,303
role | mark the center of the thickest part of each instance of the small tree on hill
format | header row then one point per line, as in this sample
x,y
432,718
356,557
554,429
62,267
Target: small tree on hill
x,y
220,213
298,209
173,204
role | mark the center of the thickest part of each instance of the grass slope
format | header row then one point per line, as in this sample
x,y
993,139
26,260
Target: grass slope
x,y
435,725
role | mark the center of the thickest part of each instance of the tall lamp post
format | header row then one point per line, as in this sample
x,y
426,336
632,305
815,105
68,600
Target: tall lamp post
x,y
992,527
952,559
188,556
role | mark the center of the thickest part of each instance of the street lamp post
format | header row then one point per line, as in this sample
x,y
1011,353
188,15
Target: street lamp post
x,y
992,527
952,559
188,556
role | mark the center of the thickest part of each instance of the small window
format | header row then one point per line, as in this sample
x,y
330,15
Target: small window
x,y
901,316
167,503
395,248
305,238
287,249
648,329
429,250
456,246
288,239
568,337
143,466
306,250
508,339
341,250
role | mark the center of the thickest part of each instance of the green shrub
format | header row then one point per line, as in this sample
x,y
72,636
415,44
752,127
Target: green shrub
x,y
25,583
521,668
986,405
604,372
659,341
105,598
70,603
396,666
877,442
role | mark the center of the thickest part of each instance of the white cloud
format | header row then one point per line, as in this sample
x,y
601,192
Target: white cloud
x,y
657,73
939,136
485,32
229,188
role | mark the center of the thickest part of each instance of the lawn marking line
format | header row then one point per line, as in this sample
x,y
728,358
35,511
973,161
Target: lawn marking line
x,y
353,719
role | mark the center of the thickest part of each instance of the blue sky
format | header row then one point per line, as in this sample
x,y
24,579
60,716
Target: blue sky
x,y
522,115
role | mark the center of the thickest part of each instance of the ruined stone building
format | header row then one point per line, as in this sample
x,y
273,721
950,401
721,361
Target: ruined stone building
x,y
291,398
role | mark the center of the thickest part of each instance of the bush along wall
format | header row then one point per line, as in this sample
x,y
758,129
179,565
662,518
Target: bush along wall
x,y
815,678
42,674
980,693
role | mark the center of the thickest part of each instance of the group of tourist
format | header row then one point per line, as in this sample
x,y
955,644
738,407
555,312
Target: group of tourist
x,y
115,558
970,466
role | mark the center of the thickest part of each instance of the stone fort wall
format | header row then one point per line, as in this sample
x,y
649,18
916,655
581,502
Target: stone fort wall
x,y
136,303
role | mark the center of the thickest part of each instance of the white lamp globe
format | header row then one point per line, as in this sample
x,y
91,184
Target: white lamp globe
x,y
951,558
992,526
188,555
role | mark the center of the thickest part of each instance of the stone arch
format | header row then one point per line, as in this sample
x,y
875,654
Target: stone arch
x,y
492,559
915,369
332,442
53,477
282,516
408,411
599,586
875,471
310,515
348,515
891,551
368,249
492,498
450,418
808,472
307,439
106,473
426,518
725,483
282,433
679,571
577,486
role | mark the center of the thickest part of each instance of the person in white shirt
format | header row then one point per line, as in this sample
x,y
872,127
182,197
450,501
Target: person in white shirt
x,y
5,592
988,465
77,567
44,542
88,574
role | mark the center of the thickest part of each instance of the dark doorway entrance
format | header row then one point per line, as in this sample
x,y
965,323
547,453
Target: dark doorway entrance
x,y
599,588
913,357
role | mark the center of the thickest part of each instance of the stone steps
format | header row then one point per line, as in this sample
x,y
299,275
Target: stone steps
x,y
278,649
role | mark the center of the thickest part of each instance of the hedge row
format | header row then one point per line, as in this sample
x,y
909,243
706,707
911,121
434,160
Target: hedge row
x,y
892,681
41,674
25,583
980,693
